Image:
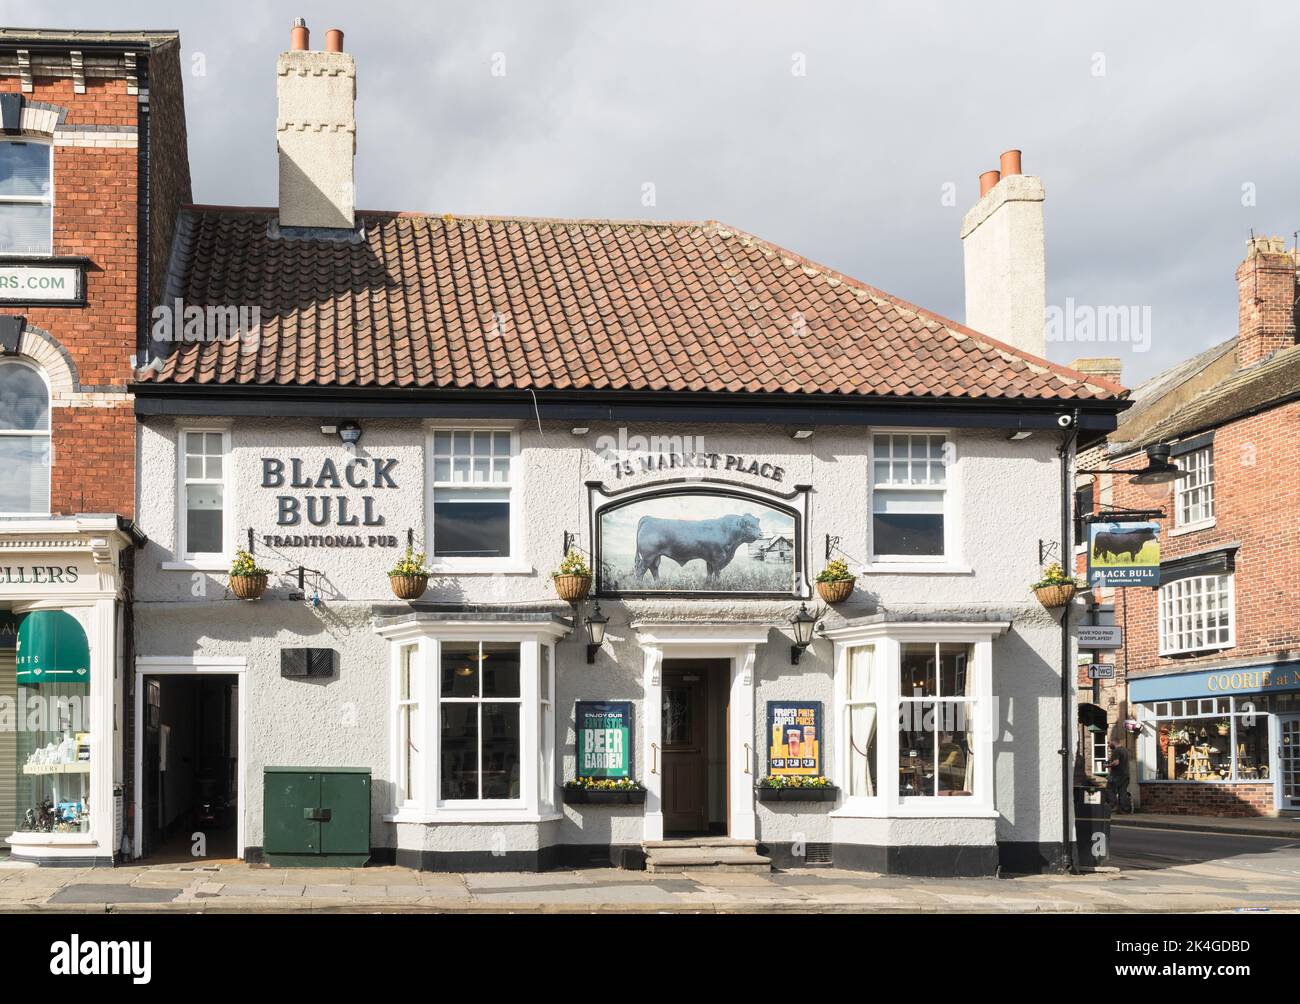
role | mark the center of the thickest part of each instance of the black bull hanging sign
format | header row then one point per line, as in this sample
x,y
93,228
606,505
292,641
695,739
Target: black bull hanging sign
x,y
1124,553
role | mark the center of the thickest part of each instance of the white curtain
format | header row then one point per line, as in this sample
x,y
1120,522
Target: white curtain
x,y
862,720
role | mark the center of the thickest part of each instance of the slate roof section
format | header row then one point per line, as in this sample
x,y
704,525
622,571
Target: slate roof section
x,y
473,302
1267,384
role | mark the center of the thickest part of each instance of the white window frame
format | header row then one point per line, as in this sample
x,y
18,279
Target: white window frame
x,y
185,558
888,640
46,434
514,562
950,560
1182,489
33,200
1166,593
537,798
408,726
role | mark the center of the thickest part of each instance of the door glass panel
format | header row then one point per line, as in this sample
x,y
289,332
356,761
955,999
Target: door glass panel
x,y
677,715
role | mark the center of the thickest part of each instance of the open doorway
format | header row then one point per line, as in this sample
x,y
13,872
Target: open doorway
x,y
695,744
189,767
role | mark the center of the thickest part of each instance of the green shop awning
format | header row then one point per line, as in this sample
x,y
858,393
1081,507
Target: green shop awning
x,y
52,648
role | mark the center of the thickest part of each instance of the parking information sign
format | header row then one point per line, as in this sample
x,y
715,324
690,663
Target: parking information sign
x,y
1124,554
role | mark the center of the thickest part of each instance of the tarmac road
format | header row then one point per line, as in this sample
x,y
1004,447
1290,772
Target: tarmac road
x,y
1146,849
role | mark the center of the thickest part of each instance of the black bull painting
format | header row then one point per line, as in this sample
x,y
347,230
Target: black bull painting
x,y
1117,544
713,541
696,542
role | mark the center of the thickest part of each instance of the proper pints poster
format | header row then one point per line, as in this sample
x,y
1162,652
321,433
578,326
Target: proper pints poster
x,y
794,730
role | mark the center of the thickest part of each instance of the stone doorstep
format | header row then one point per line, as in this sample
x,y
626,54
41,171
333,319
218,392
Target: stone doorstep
x,y
704,859
654,845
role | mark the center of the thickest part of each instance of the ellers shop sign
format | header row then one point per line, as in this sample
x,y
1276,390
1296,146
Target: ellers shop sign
x,y
341,509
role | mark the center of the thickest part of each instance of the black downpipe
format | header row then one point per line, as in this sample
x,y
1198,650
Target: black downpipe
x,y
143,225
1067,663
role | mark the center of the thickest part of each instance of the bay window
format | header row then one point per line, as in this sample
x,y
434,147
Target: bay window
x,y
472,718
934,680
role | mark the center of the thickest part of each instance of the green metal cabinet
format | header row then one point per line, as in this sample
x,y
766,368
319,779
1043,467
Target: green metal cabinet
x,y
316,816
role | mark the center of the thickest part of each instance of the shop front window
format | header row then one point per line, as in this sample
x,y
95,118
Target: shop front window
x,y
1208,739
51,740
936,751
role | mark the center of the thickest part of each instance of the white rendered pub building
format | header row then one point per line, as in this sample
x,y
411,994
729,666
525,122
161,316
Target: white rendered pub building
x,y
705,419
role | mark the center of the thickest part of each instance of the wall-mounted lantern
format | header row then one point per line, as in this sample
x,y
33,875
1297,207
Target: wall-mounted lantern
x,y
595,623
803,623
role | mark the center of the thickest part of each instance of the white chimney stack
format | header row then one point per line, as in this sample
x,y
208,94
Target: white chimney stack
x,y
1006,268
316,132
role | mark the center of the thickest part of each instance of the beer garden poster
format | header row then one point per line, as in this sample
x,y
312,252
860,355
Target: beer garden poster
x,y
794,730
604,732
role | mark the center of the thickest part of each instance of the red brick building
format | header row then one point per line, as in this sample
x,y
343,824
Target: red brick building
x,y
93,168
1211,662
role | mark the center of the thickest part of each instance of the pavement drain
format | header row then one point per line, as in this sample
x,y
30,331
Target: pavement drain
x,y
115,894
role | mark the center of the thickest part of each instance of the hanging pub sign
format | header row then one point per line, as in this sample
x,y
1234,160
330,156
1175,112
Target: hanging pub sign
x,y
1124,553
604,731
795,733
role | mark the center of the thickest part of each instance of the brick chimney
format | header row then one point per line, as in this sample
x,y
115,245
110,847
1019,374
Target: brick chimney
x,y
1006,268
1266,292
316,132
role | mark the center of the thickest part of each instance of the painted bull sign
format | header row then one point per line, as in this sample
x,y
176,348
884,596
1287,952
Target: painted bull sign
x,y
695,542
1124,554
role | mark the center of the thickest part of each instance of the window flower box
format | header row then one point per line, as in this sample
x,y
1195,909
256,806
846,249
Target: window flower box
x,y
603,791
828,794
596,796
795,789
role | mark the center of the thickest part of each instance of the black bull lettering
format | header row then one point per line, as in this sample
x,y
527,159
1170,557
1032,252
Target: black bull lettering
x,y
714,541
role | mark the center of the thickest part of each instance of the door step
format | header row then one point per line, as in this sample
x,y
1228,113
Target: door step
x,y
705,854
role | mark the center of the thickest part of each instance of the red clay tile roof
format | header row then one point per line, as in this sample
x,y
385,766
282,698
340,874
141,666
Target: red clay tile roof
x,y
437,302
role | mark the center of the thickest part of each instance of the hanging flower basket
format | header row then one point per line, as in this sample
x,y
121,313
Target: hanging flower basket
x,y
836,591
1055,596
409,578
247,579
408,587
834,582
573,578
572,588
248,587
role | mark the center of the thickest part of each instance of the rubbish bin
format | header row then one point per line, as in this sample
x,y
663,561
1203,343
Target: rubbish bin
x,y
1091,826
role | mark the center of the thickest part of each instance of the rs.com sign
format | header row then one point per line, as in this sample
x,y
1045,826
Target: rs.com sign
x,y
40,283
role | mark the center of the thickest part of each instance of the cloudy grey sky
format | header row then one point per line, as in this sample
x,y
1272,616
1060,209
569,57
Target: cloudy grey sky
x,y
1162,140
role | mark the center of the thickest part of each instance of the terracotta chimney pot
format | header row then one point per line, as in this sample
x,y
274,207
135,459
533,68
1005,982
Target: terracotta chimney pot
x,y
299,37
987,180
334,40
